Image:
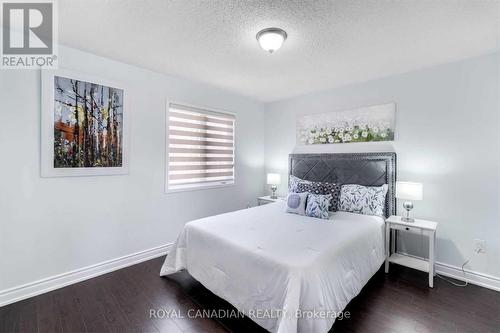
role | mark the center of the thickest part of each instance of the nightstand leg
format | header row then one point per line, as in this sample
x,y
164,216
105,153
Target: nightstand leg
x,y
387,246
432,240
393,241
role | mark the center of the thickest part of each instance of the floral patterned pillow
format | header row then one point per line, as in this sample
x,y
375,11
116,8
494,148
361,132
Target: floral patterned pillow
x,y
317,205
293,183
367,200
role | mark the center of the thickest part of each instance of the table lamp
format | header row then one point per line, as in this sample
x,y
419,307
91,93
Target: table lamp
x,y
409,191
273,179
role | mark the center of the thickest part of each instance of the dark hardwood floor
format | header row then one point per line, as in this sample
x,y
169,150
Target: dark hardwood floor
x,y
121,302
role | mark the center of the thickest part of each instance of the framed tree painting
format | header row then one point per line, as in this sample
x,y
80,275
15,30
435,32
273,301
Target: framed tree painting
x,y
84,126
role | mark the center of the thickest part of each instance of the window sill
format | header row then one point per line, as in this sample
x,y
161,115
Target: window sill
x,y
201,188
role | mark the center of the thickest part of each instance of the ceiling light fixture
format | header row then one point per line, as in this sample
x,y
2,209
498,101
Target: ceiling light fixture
x,y
271,39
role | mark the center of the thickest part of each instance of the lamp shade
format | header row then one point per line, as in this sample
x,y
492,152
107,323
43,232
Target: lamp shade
x,y
409,190
273,179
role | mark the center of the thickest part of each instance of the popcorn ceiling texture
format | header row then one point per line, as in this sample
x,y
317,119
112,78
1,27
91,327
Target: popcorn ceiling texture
x,y
331,43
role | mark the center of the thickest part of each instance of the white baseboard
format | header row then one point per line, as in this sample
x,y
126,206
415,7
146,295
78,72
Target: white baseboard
x,y
28,290
31,289
479,279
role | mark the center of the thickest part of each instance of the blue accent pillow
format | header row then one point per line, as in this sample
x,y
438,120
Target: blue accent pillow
x,y
296,203
317,205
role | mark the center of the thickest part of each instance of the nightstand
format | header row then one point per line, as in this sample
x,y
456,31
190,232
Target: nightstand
x,y
421,227
267,199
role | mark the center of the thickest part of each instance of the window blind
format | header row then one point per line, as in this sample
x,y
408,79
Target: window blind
x,y
200,147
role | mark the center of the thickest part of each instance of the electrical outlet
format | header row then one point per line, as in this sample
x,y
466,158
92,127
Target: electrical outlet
x,y
479,246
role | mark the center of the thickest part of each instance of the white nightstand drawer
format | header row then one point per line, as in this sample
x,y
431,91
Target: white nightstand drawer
x,y
406,228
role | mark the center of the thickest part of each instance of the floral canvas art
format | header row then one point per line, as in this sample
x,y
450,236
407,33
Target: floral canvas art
x,y
364,124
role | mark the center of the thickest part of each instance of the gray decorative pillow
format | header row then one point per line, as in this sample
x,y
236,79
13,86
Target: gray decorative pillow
x,y
296,203
322,188
367,200
317,205
334,190
311,187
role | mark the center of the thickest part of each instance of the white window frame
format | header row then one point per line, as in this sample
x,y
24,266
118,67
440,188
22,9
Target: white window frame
x,y
167,146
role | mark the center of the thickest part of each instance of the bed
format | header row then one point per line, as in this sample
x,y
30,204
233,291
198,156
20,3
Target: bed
x,y
291,273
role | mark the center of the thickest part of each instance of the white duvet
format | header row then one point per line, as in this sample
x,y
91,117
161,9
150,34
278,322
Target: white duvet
x,y
288,273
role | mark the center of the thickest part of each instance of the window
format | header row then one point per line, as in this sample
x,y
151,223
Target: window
x,y
200,148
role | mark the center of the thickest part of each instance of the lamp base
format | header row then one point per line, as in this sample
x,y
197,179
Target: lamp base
x,y
273,195
408,205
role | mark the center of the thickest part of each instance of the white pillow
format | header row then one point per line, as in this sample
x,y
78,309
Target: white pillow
x,y
367,200
296,203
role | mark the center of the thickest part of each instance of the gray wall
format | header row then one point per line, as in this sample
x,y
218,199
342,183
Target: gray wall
x,y
50,226
447,137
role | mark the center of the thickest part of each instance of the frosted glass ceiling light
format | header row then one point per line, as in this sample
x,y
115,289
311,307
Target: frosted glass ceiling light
x,y
271,39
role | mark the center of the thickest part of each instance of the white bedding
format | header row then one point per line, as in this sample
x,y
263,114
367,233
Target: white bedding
x,y
265,259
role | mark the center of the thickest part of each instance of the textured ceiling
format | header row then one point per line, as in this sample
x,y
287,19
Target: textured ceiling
x,y
330,43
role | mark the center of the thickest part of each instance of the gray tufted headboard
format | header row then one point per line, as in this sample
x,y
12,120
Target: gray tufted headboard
x,y
368,169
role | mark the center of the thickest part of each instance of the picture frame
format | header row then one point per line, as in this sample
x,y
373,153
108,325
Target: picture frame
x,y
375,123
91,139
